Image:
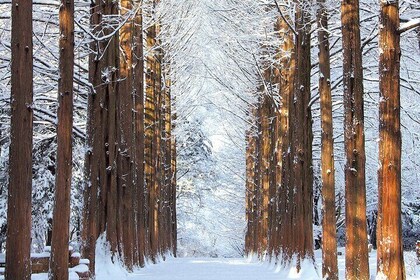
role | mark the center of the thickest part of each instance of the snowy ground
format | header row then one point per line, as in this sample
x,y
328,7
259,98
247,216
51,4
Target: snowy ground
x,y
233,269
224,269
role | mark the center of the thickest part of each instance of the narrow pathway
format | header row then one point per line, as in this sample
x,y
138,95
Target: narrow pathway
x,y
243,269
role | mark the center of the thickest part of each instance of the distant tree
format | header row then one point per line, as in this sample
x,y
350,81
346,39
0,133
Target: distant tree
x,y
18,244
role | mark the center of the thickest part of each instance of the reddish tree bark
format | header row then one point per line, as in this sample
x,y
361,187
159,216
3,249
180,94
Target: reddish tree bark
x,y
329,240
390,256
357,266
138,83
18,244
61,215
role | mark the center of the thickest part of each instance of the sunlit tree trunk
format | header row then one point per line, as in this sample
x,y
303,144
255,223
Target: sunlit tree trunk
x,y
265,142
61,215
286,88
138,84
157,143
329,241
249,192
18,244
150,144
389,233
357,266
258,176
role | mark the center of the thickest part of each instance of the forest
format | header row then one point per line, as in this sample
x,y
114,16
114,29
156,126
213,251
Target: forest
x,y
149,139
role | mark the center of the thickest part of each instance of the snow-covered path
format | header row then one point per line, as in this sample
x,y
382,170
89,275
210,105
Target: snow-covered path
x,y
231,269
244,269
205,269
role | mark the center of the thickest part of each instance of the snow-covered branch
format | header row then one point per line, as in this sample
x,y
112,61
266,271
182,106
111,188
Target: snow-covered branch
x,y
411,24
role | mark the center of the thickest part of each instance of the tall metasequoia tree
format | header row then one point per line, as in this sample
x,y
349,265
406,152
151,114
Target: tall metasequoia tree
x,y
329,241
357,266
149,123
109,218
18,245
125,157
280,192
112,221
286,89
251,157
389,233
256,180
89,234
61,215
138,87
100,194
265,150
130,160
301,145
168,192
173,181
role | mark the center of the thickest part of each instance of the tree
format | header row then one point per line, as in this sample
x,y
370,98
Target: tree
x,y
357,266
300,243
61,214
125,157
286,89
150,123
18,246
329,241
389,230
138,86
92,156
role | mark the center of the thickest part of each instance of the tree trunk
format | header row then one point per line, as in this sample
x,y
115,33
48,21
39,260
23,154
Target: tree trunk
x,y
329,241
61,215
250,198
110,211
150,145
125,155
286,89
301,150
265,171
357,266
167,140
173,185
18,245
389,237
138,84
93,150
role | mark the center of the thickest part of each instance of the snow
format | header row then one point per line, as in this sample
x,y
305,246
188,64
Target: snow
x,y
235,268
205,268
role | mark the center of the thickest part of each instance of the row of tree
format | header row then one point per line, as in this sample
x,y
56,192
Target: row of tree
x,y
130,162
280,175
